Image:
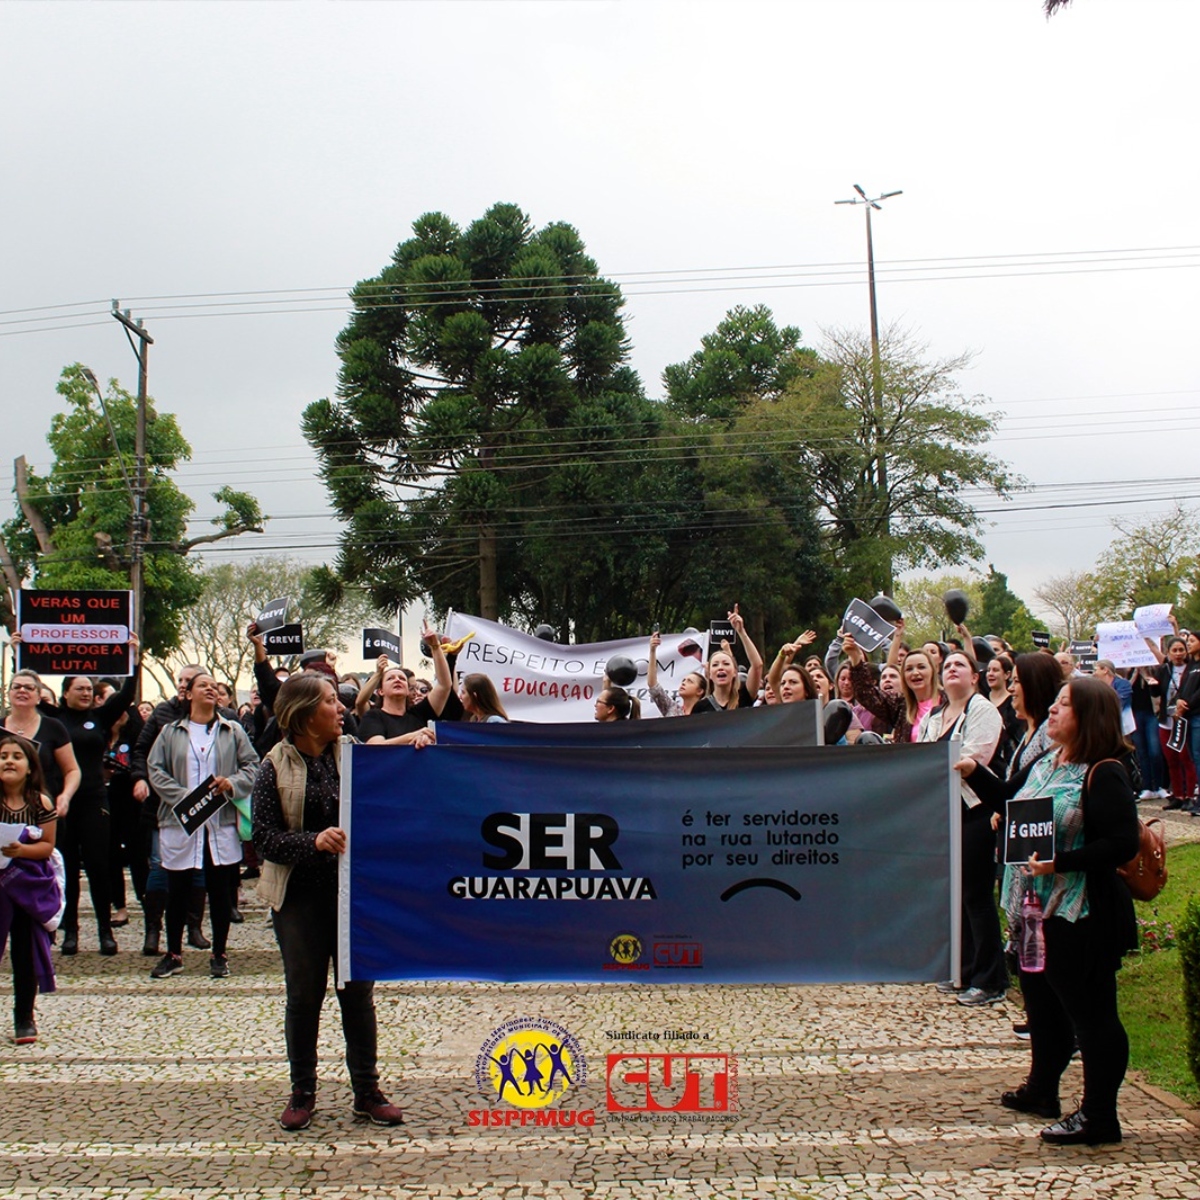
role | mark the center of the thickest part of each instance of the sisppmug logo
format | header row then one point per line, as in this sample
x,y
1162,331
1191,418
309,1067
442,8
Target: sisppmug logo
x,y
531,1064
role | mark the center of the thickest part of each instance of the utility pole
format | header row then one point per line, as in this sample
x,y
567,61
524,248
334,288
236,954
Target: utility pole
x,y
140,533
876,371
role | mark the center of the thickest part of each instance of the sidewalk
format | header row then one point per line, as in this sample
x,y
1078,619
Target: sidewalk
x,y
151,1089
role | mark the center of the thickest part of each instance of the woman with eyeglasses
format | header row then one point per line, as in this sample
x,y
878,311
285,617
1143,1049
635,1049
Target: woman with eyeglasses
x,y
55,752
84,834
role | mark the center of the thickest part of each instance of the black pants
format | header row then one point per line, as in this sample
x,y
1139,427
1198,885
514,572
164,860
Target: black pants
x,y
1076,998
20,956
83,838
217,882
983,963
306,929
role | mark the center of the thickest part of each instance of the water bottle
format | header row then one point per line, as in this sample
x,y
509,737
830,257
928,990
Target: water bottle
x,y
1032,948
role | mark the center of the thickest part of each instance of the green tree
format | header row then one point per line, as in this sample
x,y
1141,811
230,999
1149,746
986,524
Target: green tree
x,y
486,424
1150,562
74,524
891,475
232,594
748,357
1003,612
920,600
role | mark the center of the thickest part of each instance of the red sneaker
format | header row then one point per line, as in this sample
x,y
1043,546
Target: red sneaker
x,y
298,1114
375,1105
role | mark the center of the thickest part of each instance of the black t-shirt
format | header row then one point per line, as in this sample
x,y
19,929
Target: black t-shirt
x,y
50,737
710,705
377,723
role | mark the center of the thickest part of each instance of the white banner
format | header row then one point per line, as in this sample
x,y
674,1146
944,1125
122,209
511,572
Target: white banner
x,y
543,681
1123,644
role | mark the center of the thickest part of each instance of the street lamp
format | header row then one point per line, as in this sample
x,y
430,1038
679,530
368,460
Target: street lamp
x,y
876,373
868,204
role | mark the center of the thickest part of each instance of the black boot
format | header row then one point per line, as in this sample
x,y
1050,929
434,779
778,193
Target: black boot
x,y
154,904
195,918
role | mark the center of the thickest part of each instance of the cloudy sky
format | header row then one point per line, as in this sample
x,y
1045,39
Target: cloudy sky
x,y
228,170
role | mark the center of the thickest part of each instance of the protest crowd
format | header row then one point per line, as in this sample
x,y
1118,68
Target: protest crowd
x,y
187,800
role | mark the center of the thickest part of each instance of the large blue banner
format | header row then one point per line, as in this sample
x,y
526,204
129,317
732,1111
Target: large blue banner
x,y
796,724
769,865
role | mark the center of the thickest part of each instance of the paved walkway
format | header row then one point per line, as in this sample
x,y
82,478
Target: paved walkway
x,y
143,1089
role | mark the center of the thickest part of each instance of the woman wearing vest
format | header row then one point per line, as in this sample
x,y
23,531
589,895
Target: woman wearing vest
x,y
296,805
974,718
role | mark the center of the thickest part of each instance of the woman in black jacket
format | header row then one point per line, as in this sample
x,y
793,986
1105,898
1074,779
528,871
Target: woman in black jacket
x,y
1089,922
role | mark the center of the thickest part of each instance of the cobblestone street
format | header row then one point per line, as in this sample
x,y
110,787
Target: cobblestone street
x,y
139,1088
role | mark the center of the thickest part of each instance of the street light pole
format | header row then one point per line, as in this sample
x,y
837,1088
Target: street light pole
x,y
876,370
141,530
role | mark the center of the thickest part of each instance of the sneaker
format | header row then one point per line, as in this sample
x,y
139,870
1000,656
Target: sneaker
x,y
1077,1130
1024,1100
978,998
218,966
70,942
298,1114
948,987
24,1033
1173,804
1148,794
1163,793
1022,1031
375,1105
168,965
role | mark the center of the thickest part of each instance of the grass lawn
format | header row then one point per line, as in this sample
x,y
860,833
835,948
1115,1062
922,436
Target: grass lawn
x,y
1151,986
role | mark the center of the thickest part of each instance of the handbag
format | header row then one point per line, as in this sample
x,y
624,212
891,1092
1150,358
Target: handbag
x,y
1145,874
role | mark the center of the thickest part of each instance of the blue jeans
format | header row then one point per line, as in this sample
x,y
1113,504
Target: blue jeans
x,y
306,930
1149,751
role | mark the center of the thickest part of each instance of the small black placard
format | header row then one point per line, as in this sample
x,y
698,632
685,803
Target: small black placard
x,y
273,615
199,804
1041,639
870,630
1029,829
380,641
286,639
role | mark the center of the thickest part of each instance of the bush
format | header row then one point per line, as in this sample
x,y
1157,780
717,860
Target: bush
x,y
1189,951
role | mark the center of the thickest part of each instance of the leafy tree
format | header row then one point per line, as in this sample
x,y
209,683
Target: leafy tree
x,y
748,357
1149,563
891,473
1003,612
1073,598
486,422
232,594
920,600
74,524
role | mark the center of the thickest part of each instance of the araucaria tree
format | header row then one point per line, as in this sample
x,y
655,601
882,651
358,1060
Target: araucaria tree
x,y
74,524
483,443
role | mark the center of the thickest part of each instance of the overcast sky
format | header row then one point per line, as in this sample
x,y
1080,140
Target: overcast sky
x,y
175,154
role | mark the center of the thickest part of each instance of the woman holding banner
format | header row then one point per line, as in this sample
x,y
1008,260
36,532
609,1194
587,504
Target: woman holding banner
x,y
1088,917
200,747
296,807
